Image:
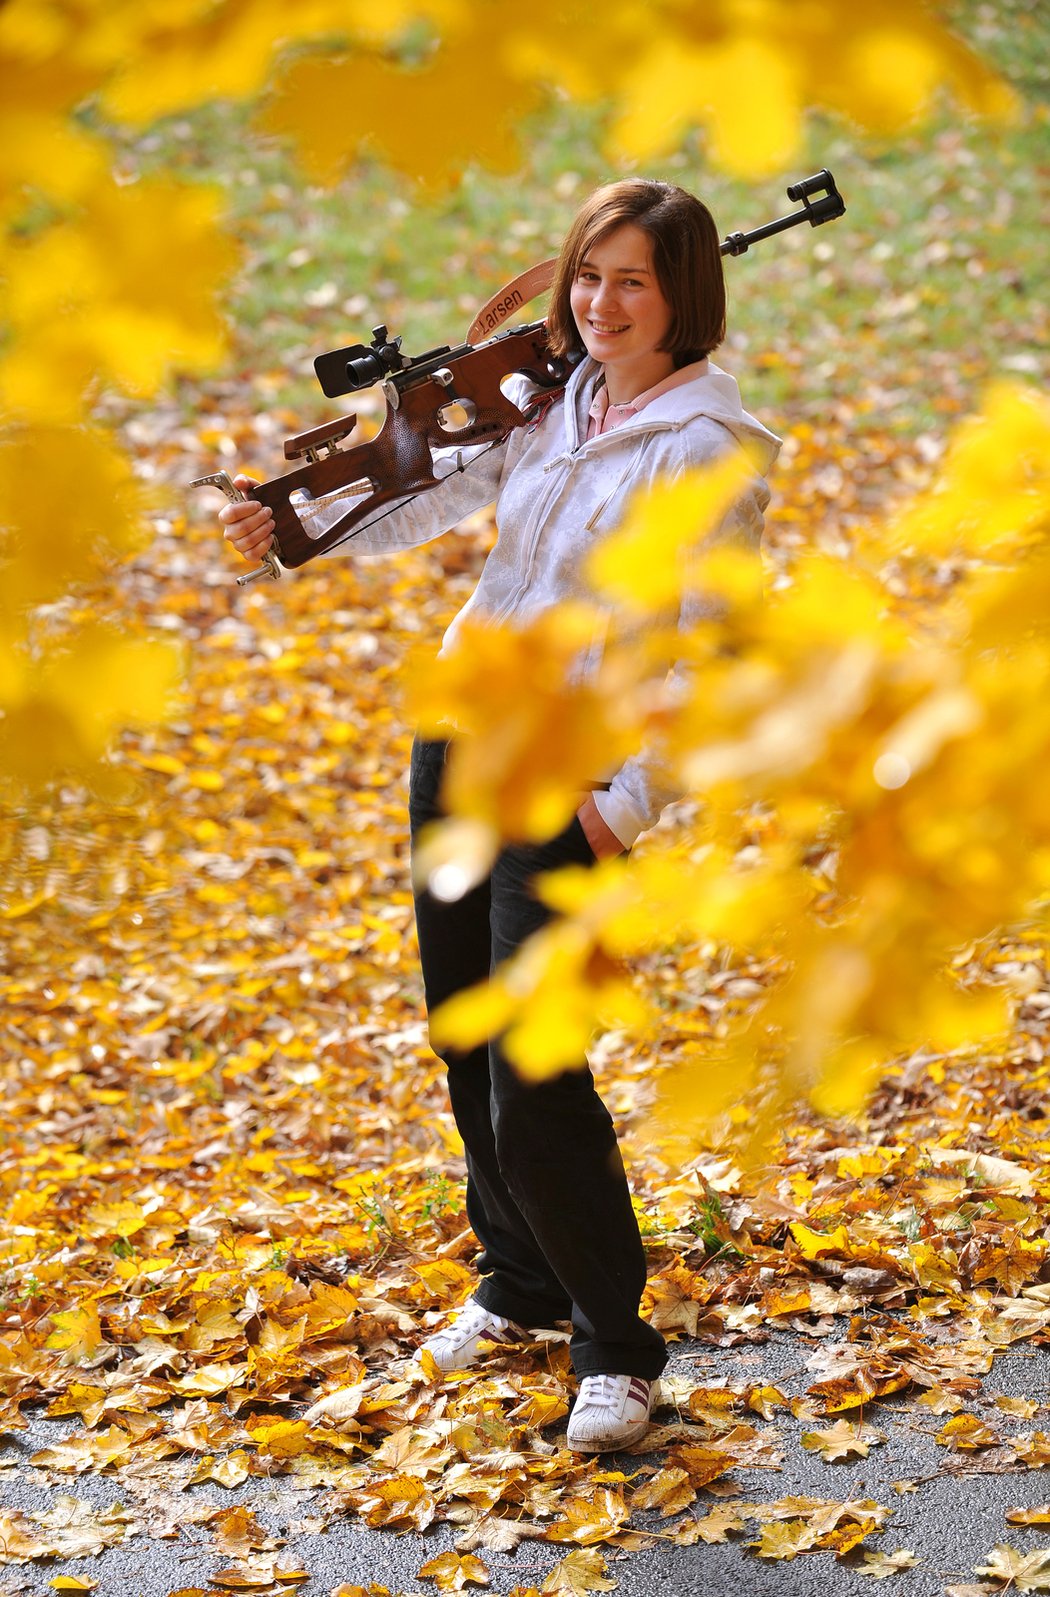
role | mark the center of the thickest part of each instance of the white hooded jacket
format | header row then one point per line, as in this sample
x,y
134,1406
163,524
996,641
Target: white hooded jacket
x,y
556,492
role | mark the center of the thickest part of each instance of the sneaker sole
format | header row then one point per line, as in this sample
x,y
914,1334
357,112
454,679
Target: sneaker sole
x,y
626,1439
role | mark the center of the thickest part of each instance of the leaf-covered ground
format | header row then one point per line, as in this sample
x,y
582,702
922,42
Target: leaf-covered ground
x,y
228,1177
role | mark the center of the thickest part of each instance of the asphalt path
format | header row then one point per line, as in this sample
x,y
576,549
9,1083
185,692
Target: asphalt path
x,y
950,1522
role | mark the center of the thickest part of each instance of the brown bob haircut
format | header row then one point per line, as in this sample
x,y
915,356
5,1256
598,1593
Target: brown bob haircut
x,y
685,256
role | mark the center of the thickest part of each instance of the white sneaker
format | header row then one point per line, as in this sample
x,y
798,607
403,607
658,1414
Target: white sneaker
x,y
461,1345
611,1411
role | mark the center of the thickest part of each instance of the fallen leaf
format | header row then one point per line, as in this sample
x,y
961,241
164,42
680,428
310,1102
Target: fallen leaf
x,y
453,1571
842,1440
881,1565
1019,1571
1029,1516
580,1571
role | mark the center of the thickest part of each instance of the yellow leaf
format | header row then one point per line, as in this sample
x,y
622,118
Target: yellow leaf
x,y
332,108
530,743
1022,1572
819,1244
881,1565
126,291
282,1438
842,1440
114,1219
966,1431
645,565
229,1471
454,1571
670,1490
77,1333
76,482
743,89
581,1571
595,1518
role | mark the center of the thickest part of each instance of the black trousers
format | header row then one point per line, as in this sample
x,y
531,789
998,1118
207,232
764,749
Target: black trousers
x,y
547,1195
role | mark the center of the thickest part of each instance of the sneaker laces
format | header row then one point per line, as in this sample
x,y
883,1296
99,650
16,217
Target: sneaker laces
x,y
602,1390
473,1317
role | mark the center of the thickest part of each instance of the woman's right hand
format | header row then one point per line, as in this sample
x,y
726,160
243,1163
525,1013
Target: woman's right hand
x,y
249,524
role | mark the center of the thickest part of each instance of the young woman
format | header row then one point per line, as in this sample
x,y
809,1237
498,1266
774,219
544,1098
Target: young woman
x,y
639,298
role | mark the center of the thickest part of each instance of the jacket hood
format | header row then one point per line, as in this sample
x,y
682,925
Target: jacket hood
x,y
713,394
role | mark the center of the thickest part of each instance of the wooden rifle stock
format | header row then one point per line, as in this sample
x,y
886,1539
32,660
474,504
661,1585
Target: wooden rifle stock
x,y
398,462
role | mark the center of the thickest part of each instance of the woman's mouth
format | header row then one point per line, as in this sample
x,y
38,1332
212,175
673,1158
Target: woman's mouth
x,y
606,327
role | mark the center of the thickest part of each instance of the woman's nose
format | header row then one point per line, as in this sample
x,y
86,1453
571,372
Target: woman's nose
x,y
604,294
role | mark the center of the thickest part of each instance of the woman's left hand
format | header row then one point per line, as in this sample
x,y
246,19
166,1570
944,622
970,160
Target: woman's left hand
x,y
603,840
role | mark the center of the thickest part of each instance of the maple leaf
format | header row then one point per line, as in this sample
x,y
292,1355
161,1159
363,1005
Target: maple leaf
x,y
669,1490
842,1440
540,1409
1022,1408
1029,1516
100,1450
784,1539
939,1401
713,1527
589,1519
842,1538
229,1471
578,1572
966,1431
881,1565
72,1583
338,1408
765,1400
281,1438
1019,1571
453,1571
703,1464
238,1532
677,1294
402,1499
78,1333
75,1529
445,1280
87,1401
498,1534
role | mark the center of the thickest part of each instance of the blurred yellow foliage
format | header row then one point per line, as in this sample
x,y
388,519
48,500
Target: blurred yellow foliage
x,y
545,744
916,756
743,70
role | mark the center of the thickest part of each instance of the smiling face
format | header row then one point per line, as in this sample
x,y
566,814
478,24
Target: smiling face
x,y
621,313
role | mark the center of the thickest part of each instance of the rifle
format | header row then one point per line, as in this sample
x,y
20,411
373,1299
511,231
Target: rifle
x,y
440,399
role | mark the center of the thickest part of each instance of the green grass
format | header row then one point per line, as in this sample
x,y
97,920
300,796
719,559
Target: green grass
x,y
888,321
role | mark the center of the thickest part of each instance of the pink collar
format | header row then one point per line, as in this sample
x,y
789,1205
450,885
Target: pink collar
x,y
605,417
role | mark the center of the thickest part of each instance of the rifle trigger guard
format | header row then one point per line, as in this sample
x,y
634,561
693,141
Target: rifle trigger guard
x,y
455,413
